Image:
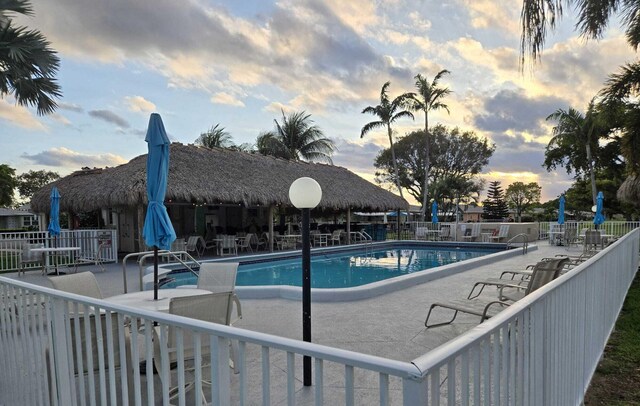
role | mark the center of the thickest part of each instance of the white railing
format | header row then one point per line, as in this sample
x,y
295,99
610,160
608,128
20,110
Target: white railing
x,y
89,241
615,228
542,350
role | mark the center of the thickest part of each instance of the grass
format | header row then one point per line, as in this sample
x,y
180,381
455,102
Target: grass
x,y
616,381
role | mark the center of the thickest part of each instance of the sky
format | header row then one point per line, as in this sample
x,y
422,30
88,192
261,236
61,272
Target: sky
x,y
241,63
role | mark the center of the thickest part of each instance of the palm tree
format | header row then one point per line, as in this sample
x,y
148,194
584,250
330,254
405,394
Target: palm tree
x,y
215,137
388,112
580,130
428,98
27,64
296,138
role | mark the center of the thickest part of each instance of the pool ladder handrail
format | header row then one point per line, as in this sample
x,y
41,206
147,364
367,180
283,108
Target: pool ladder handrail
x,y
368,240
143,255
525,242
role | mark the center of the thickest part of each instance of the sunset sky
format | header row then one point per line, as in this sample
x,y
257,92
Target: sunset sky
x,y
238,63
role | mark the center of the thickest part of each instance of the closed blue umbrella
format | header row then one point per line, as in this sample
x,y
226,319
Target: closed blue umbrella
x,y
599,217
54,215
561,211
158,231
434,212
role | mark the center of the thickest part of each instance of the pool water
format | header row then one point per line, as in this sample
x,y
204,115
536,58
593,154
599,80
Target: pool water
x,y
342,270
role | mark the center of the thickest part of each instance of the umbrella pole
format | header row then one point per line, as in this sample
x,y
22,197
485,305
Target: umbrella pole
x,y
155,272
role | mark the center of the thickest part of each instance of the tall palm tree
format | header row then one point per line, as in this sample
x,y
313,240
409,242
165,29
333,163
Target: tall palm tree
x,y
296,138
580,130
429,98
27,64
388,111
215,137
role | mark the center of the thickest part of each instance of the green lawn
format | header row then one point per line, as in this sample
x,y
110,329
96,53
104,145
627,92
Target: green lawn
x,y
617,378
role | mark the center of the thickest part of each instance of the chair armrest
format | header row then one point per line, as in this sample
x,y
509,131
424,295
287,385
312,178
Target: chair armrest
x,y
523,274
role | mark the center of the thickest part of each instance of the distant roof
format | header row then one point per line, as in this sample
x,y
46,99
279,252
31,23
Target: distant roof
x,y
8,212
212,176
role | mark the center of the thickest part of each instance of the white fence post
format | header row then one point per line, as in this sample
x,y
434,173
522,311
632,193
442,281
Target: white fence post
x,y
62,381
414,391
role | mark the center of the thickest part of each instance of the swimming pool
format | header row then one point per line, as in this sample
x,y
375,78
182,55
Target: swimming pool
x,y
344,269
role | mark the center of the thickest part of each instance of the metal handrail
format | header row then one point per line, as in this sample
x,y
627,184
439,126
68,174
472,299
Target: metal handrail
x,y
141,254
525,242
173,255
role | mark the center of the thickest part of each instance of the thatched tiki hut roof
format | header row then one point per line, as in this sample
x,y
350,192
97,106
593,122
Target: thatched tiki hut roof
x,y
629,191
212,176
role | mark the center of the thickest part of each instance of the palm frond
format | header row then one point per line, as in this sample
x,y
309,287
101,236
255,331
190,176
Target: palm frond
x,y
371,126
624,83
536,17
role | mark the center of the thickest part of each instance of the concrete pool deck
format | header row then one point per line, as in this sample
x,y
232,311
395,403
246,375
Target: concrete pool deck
x,y
390,325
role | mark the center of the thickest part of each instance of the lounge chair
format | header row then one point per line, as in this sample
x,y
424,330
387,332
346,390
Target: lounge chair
x,y
219,277
214,308
503,232
88,257
486,309
551,263
474,232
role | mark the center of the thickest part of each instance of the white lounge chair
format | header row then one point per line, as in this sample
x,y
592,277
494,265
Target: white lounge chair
x,y
228,244
245,243
193,245
473,234
28,257
503,232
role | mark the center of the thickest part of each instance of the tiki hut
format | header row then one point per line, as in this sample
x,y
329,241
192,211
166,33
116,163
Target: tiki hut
x,y
629,191
205,177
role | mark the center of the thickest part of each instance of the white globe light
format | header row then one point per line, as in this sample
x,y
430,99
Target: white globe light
x,y
594,208
305,193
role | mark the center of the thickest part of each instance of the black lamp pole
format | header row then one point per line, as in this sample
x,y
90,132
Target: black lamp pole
x,y
306,294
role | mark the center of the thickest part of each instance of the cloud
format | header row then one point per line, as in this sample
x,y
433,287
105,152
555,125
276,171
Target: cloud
x,y
109,117
71,107
355,156
60,118
63,157
226,98
139,104
20,116
514,110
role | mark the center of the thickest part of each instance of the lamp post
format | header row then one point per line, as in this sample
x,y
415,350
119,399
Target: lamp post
x,y
305,194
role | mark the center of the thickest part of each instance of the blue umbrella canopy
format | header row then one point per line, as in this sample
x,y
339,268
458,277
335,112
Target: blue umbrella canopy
x,y
561,211
158,230
434,212
54,215
599,217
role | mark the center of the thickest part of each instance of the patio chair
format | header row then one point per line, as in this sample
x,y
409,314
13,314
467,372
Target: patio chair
x,y
421,233
445,234
213,308
193,245
89,257
502,233
228,245
473,234
485,309
570,236
557,264
28,257
245,243
592,241
219,277
84,356
336,237
259,241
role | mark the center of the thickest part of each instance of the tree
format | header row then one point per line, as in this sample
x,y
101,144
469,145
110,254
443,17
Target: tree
x,y
8,184
388,112
453,154
521,196
452,190
574,133
296,138
215,137
27,64
28,183
428,98
495,207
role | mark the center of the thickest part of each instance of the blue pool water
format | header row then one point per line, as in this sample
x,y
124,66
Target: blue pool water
x,y
342,270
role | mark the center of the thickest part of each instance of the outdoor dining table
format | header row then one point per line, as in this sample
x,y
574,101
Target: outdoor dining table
x,y
54,250
144,299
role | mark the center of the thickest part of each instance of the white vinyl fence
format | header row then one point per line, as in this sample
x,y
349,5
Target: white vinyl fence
x,y
615,228
540,351
89,242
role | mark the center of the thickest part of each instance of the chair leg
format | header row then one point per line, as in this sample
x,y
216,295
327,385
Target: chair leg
x,y
426,321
